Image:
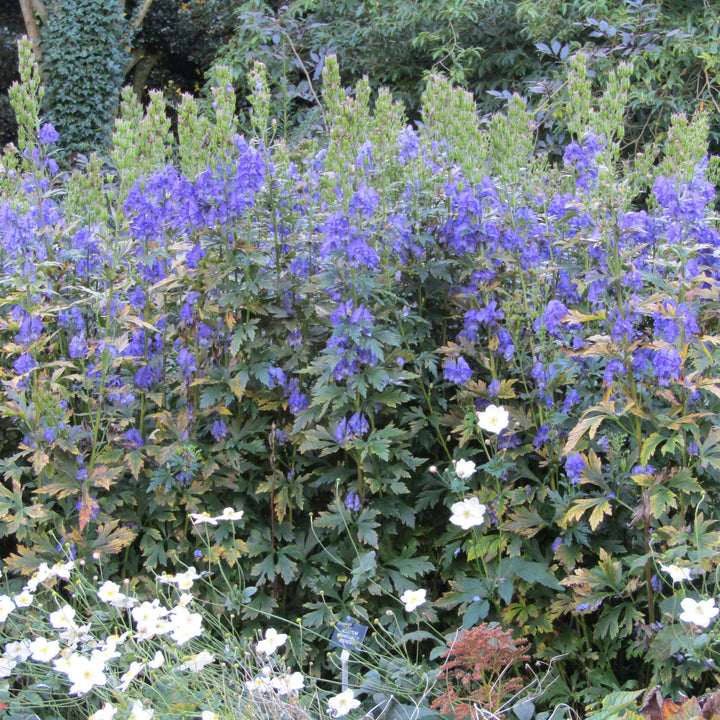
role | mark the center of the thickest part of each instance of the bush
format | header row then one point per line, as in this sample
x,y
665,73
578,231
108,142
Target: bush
x,y
351,343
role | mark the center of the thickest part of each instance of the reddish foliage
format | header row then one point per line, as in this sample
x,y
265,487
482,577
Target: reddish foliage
x,y
476,670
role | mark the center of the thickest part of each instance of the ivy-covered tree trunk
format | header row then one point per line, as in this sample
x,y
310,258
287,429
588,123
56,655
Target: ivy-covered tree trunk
x,y
84,56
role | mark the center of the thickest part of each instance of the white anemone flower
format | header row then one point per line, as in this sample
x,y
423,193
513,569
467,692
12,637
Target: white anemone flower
x,y
63,619
198,662
286,684
342,704
230,514
273,640
7,665
467,513
43,650
157,662
138,712
185,625
203,518
464,469
493,419
132,672
106,712
24,599
413,599
698,613
6,607
258,684
677,573
84,675
18,650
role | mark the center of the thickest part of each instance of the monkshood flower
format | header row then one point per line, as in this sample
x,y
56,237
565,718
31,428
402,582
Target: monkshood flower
x,y
48,134
574,467
698,613
272,641
464,469
493,419
456,370
219,430
413,599
677,573
352,502
356,426
467,513
340,705
409,145
583,157
551,319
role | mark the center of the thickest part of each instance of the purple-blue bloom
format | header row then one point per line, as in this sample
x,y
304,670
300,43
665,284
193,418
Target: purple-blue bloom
x,y
219,430
574,467
48,134
457,371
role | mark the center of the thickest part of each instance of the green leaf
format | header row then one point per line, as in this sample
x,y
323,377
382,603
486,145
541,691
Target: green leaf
x,y
530,571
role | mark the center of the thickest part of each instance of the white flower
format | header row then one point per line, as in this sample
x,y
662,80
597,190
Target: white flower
x,y
18,650
104,654
64,662
185,580
107,712
109,591
230,514
464,469
63,619
699,613
157,662
273,640
148,619
285,684
198,662
42,650
185,625
412,599
132,672
24,599
677,573
493,419
258,684
342,704
84,674
63,570
203,517
6,607
208,715
138,712
467,513
6,666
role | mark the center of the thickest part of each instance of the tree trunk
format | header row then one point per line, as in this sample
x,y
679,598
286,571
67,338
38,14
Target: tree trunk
x,y
33,31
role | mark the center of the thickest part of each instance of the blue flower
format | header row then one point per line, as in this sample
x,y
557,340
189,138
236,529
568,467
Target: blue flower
x,y
48,135
134,437
352,502
78,347
219,430
667,365
187,362
574,467
456,370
